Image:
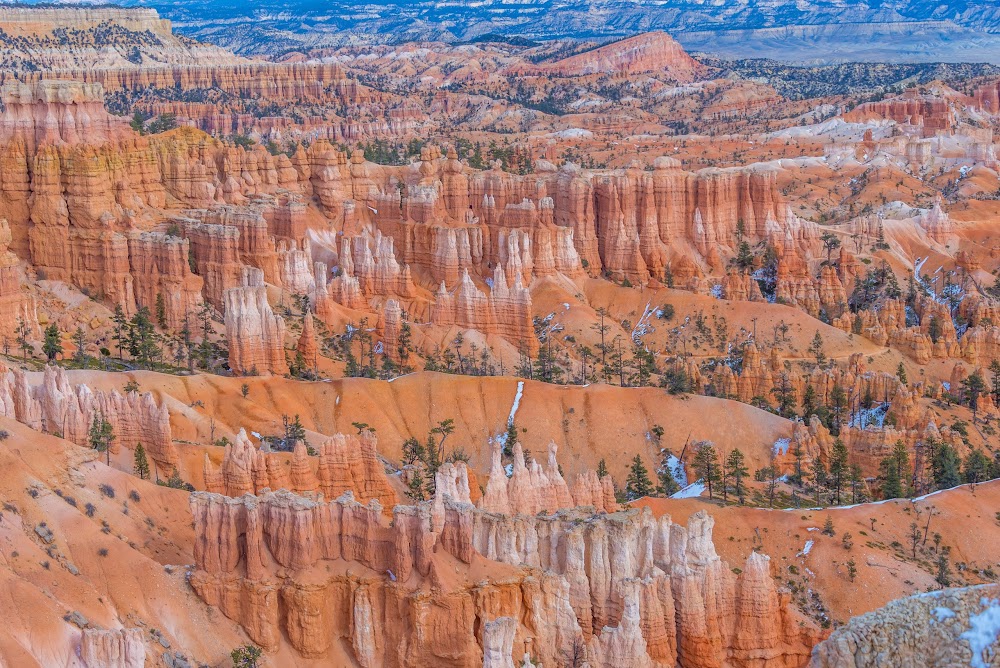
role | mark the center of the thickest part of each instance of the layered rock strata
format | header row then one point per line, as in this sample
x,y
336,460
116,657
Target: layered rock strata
x,y
343,463
631,589
55,406
255,334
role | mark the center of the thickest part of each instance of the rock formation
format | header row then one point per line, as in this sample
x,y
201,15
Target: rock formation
x,y
344,462
632,588
57,407
159,263
255,334
117,648
505,312
953,627
532,489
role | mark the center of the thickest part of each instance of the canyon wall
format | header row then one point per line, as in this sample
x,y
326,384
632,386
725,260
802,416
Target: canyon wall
x,y
630,589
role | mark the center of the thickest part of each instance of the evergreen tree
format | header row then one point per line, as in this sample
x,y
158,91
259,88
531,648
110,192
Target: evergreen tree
x,y
141,463
602,469
161,311
945,465
816,348
943,576
977,467
818,477
995,379
857,480
737,471
838,402
52,342
416,486
443,429
80,341
638,484
838,468
668,484
413,451
23,342
809,402
901,460
973,386
706,465
901,373
892,486
798,454
784,392
120,334
101,435
142,343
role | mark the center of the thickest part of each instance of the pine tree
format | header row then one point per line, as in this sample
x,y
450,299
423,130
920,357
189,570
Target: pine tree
x,y
901,459
413,451
784,392
101,435
901,373
416,485
977,467
141,466
945,466
809,402
80,341
706,465
668,484
120,335
52,342
798,454
818,477
638,484
161,311
838,468
856,481
817,350
602,469
828,529
737,471
892,486
973,386
838,402
23,342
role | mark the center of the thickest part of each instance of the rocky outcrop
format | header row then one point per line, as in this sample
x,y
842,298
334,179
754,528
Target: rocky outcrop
x,y
307,345
55,406
15,304
953,627
532,489
628,587
162,273
505,312
56,112
648,52
342,463
214,250
116,648
255,334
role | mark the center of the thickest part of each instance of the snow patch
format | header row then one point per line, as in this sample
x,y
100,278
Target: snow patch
x,y
943,613
517,402
807,549
983,631
692,491
870,417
